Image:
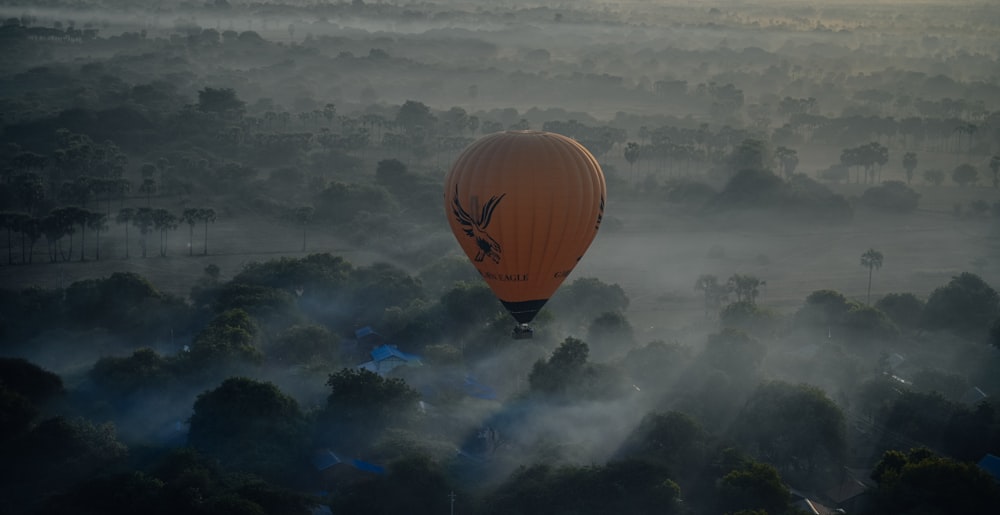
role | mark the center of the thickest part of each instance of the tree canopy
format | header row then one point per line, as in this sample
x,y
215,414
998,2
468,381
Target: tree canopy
x,y
361,405
252,426
966,305
774,422
919,481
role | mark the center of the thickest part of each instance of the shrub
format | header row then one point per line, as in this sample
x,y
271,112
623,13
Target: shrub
x,y
891,196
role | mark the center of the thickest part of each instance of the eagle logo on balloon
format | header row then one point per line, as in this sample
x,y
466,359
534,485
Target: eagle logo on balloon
x,y
475,227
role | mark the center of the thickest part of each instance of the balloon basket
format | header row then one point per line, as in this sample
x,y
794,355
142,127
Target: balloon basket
x,y
522,332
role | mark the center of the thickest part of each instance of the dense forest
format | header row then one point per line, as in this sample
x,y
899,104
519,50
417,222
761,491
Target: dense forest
x,y
227,284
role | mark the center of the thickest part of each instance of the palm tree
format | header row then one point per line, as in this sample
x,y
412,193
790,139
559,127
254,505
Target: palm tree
x,y
78,191
31,230
909,164
148,188
788,159
164,221
119,187
65,220
53,228
995,167
190,216
632,155
206,215
143,220
714,292
29,190
850,158
8,221
82,217
969,129
872,260
98,222
303,215
746,287
125,216
876,156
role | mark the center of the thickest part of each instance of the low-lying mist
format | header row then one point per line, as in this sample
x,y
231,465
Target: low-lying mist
x,y
227,281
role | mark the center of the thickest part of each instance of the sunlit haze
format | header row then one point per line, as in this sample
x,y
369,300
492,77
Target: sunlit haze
x,y
258,257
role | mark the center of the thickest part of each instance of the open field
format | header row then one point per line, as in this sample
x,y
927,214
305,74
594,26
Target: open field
x,y
658,268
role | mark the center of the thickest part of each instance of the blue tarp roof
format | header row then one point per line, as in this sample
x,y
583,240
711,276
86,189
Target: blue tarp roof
x,y
991,464
385,351
367,467
478,390
364,331
323,460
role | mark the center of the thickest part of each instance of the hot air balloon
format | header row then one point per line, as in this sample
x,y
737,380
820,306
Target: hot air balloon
x,y
524,206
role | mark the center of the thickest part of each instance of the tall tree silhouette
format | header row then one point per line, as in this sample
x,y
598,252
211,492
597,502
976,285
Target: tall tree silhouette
x,y
207,216
872,260
97,222
124,217
746,287
303,216
715,293
995,168
191,217
164,221
909,164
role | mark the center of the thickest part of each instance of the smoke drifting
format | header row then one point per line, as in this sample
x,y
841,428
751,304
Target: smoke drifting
x,y
216,213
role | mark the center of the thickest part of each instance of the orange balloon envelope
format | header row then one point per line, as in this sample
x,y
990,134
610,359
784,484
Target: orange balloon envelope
x,y
524,206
